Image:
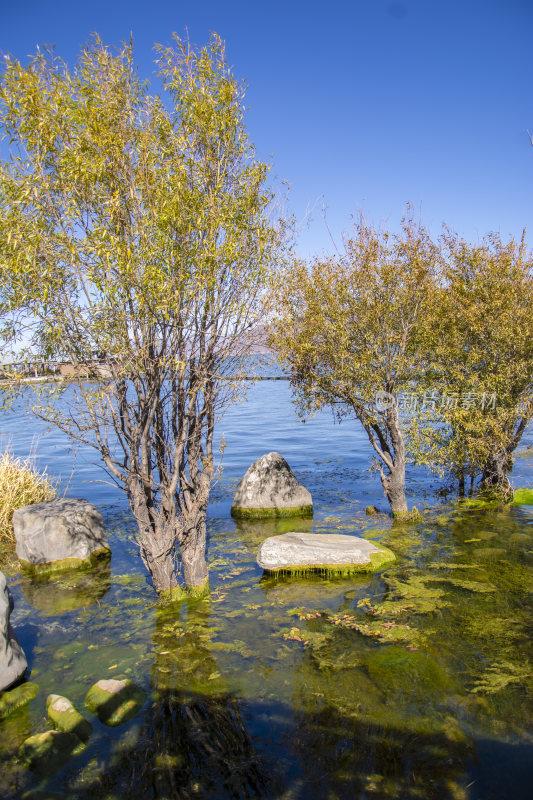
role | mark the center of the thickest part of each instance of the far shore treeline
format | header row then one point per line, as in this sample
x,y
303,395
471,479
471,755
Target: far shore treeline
x,y
144,227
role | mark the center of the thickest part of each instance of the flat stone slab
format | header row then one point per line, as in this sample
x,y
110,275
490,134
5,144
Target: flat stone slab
x,y
64,533
333,552
269,488
46,752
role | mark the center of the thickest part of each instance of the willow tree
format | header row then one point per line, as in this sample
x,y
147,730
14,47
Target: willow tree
x,y
135,238
480,338
348,330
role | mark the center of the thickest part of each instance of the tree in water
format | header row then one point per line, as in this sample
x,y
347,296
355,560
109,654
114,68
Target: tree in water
x,y
347,329
136,235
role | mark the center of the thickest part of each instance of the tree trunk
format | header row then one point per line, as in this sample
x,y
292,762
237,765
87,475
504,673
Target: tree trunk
x,y
394,488
192,550
495,477
161,567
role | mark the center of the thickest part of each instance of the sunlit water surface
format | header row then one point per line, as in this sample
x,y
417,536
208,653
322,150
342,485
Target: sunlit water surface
x,y
415,683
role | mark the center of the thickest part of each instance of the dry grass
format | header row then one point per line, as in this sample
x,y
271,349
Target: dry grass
x,y
20,485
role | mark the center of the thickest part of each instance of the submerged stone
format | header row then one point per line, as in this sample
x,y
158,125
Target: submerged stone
x,y
55,592
269,488
46,752
114,701
413,673
59,534
371,511
66,718
328,552
16,698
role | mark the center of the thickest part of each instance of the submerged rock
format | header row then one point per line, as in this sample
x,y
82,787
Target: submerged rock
x,y
371,511
13,662
331,552
55,592
16,698
61,533
66,718
46,752
269,488
114,701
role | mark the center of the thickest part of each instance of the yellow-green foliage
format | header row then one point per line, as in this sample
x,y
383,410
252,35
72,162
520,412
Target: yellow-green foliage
x,y
20,485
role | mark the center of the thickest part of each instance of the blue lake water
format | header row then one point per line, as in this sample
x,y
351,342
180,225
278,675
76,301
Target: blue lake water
x,y
413,683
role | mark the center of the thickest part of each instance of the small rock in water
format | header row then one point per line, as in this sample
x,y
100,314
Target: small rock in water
x,y
371,511
269,488
332,552
60,533
16,698
114,701
13,662
46,752
66,718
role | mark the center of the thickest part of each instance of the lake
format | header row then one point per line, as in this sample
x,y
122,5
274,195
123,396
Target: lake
x,y
413,683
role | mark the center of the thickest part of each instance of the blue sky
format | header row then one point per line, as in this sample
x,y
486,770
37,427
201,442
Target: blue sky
x,y
365,104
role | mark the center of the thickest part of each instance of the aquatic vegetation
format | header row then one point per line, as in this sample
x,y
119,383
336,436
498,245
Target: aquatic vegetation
x,y
523,497
502,674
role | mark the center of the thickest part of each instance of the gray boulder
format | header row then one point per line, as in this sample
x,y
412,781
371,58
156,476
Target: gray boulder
x,y
13,662
329,552
269,488
60,533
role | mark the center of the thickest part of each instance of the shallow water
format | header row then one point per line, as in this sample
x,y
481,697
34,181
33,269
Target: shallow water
x,y
415,683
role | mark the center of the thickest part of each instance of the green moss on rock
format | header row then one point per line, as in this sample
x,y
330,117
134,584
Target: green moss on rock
x,y
16,698
397,670
377,560
114,701
40,570
271,513
46,752
66,718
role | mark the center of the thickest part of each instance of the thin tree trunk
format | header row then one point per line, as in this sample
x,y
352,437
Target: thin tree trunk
x,y
394,488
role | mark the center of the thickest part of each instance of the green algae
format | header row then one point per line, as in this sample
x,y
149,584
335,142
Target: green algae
x,y
66,718
41,570
396,670
13,699
523,497
269,513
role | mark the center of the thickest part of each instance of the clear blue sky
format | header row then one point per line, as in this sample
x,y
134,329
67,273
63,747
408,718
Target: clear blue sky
x,y
361,104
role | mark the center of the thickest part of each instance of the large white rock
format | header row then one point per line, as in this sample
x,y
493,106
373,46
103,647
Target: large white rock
x,y
300,551
12,659
269,488
68,530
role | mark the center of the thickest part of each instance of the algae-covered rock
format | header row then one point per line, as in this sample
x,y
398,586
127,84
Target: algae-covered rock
x,y
60,534
269,488
55,592
332,553
523,497
16,698
413,673
114,701
46,752
66,718
371,511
